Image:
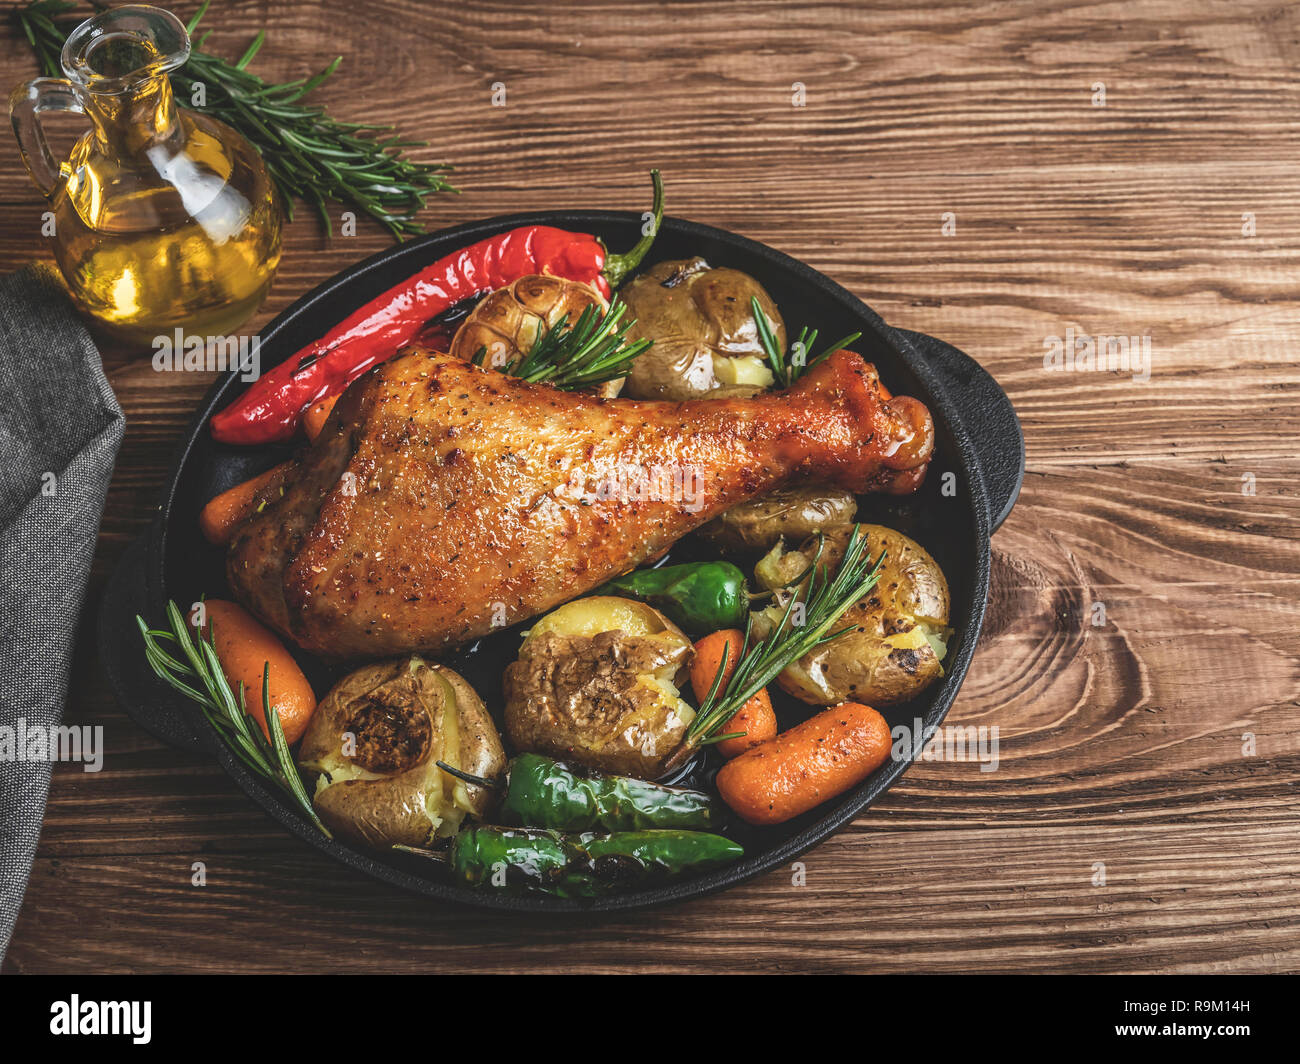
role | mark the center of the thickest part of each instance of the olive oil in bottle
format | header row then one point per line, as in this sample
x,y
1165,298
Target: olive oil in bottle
x,y
164,218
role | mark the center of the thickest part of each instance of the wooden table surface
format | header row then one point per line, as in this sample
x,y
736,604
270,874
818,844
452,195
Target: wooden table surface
x,y
1160,741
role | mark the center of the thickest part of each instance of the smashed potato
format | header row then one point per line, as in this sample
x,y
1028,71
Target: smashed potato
x,y
375,739
596,683
792,514
900,635
706,341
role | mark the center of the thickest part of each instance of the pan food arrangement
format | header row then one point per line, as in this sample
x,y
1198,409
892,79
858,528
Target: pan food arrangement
x,y
532,575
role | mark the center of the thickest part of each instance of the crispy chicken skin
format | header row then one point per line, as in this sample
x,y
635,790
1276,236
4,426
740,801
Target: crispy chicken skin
x,y
442,501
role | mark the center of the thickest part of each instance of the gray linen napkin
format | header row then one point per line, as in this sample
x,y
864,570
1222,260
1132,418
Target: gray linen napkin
x,y
60,428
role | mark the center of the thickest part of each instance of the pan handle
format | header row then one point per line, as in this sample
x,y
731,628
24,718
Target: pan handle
x,y
988,415
147,700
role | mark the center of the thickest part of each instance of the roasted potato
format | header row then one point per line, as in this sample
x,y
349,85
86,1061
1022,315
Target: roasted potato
x,y
897,646
596,682
508,321
374,740
702,324
793,514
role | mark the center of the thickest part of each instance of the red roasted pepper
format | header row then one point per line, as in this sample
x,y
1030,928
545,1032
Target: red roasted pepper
x,y
272,408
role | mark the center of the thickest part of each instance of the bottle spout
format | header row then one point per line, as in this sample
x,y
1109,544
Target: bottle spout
x,y
118,61
118,49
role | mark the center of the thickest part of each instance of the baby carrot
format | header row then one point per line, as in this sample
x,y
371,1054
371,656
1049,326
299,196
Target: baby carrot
x,y
315,416
755,718
222,515
244,648
807,765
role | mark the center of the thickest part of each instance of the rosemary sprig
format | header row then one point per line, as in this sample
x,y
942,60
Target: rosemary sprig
x,y
789,366
309,155
825,600
591,352
197,674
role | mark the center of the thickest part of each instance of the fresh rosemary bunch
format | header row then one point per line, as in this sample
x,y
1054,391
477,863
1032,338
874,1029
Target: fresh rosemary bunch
x,y
591,352
789,366
824,600
197,674
309,155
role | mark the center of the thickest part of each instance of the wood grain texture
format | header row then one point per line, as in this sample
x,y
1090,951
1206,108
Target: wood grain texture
x,y
1122,736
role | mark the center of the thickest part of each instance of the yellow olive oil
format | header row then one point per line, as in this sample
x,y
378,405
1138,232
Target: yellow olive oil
x,y
164,218
145,257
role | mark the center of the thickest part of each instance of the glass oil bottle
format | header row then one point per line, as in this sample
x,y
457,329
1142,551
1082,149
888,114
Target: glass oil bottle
x,y
164,218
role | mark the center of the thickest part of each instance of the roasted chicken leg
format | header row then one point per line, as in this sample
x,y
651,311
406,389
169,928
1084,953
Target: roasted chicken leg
x,y
442,501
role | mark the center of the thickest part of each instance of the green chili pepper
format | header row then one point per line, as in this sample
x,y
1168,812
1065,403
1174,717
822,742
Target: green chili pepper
x,y
701,597
543,793
518,861
541,861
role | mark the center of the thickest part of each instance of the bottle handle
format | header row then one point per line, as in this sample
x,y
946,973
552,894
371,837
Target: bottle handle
x,y
26,105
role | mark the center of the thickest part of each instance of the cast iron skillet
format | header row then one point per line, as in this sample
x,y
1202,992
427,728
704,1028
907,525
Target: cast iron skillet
x,y
970,489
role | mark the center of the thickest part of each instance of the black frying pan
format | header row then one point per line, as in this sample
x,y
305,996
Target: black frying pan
x,y
978,441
